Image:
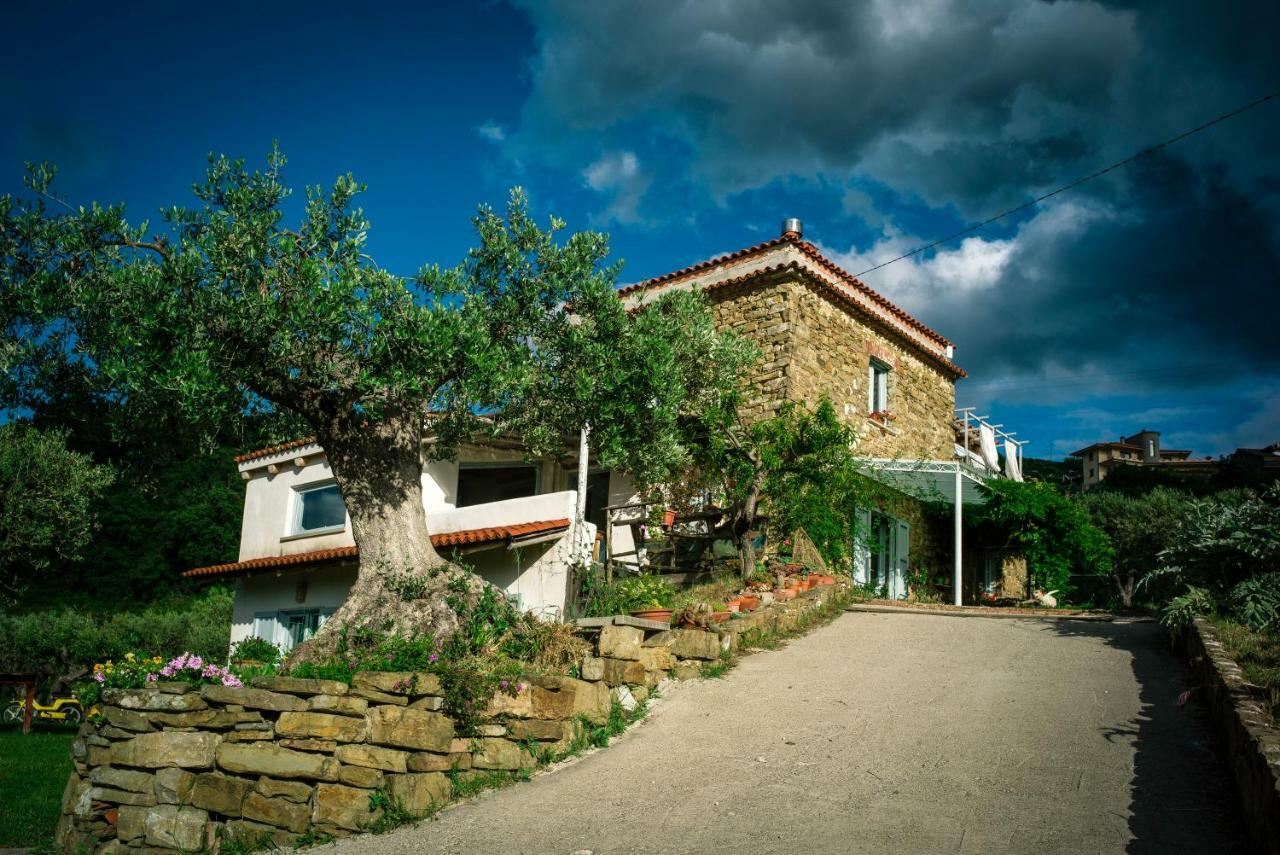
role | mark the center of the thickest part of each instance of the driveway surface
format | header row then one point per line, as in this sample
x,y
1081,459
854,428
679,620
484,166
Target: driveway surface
x,y
887,733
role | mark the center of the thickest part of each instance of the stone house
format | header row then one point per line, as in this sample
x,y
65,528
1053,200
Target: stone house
x,y
821,331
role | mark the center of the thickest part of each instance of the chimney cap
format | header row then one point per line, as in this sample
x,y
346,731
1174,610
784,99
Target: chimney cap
x,y
792,227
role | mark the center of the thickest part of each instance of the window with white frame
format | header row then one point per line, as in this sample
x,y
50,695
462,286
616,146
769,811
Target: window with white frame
x,y
288,628
317,509
877,387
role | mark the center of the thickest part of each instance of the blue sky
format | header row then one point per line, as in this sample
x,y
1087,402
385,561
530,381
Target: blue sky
x,y
687,129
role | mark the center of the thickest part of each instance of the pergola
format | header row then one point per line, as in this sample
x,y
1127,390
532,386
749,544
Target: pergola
x,y
935,481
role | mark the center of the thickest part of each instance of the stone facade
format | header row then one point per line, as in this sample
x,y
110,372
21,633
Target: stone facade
x,y
178,768
811,346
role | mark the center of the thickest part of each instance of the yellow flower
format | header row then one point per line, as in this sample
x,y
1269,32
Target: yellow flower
x,y
129,656
97,667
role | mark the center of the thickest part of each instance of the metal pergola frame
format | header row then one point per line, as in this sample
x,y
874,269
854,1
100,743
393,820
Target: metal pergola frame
x,y
923,479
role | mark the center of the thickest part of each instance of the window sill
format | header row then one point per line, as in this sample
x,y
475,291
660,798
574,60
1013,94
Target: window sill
x,y
884,427
302,535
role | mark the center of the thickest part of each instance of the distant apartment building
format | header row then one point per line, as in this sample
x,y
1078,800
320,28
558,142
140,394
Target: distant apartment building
x,y
1141,449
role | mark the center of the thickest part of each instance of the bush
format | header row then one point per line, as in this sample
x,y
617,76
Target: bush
x,y
254,649
1140,527
627,594
66,642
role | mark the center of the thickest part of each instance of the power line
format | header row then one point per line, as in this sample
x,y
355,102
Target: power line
x,y
1036,201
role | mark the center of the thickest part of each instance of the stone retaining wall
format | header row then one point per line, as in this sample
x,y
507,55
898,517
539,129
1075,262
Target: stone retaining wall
x,y
175,767
1252,746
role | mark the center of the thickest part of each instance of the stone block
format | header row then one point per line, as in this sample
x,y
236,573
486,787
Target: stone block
x,y
640,693
657,658
687,671
219,793
293,791
275,762
539,729
120,797
157,750
319,746
175,827
205,719
429,702
127,719
625,699
298,685
373,696
173,785
565,697
500,754
419,792
405,728
519,705
344,807
619,672
695,644
315,725
411,683
660,639
592,668
373,757
145,699
360,776
338,704
281,813
425,762
250,698
620,642
122,779
131,823
250,736
251,832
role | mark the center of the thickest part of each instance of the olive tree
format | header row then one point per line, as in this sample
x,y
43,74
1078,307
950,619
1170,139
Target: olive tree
x,y
229,303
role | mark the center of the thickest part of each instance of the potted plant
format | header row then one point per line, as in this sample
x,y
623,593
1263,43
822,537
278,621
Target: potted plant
x,y
652,610
733,604
748,602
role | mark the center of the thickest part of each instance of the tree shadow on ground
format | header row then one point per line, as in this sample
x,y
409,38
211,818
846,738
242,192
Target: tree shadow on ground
x,y
1182,798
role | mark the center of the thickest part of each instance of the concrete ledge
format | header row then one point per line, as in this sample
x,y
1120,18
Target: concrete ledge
x,y
979,612
621,620
1252,746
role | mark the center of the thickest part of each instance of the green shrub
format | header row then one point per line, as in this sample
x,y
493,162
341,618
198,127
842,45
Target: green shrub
x,y
67,642
255,649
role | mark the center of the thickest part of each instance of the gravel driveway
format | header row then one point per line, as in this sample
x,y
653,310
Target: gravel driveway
x,y
887,733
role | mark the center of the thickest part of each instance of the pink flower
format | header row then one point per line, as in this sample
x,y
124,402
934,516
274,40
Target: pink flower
x,y
194,662
151,678
502,684
230,680
433,657
520,687
100,677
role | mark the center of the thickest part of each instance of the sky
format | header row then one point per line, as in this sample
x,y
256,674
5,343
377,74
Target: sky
x,y
1144,299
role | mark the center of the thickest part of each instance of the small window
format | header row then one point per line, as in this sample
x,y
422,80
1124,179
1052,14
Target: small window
x,y
319,509
288,629
877,387
479,485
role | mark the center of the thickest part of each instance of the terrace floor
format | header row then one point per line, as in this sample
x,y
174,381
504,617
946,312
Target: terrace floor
x,y
887,733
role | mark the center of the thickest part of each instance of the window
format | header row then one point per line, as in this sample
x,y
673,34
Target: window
x,y
877,387
318,509
287,629
480,484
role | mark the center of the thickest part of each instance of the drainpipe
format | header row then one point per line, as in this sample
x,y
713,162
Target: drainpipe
x,y
958,518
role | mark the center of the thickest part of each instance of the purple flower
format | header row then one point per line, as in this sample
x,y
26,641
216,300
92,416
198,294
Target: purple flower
x,y
151,678
520,687
100,677
194,662
230,680
433,657
503,684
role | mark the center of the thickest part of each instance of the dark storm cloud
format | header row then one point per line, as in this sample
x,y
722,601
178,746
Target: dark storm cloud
x,y
967,108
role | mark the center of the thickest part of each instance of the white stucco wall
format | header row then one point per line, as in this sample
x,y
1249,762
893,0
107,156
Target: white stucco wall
x,y
269,592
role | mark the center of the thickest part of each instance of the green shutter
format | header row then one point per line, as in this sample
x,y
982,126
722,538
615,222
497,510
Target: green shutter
x,y
901,556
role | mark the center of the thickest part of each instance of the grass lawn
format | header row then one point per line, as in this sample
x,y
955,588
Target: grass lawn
x,y
33,772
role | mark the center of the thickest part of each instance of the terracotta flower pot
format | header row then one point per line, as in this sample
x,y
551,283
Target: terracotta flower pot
x,y
721,617
668,516
733,606
653,614
794,568
749,604
784,594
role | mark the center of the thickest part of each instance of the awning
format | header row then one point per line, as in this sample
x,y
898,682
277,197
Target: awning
x,y
518,534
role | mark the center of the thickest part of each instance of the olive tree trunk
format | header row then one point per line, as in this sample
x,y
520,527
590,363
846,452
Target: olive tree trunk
x,y
403,585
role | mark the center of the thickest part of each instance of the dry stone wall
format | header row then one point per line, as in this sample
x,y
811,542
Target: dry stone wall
x,y
177,768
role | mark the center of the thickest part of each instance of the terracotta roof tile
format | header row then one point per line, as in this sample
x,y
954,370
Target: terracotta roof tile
x,y
275,449
469,537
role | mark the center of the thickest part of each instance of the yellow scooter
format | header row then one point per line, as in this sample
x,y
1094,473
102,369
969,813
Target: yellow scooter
x,y
66,710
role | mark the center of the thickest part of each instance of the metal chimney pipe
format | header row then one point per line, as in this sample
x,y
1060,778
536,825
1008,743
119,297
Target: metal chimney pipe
x,y
792,227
